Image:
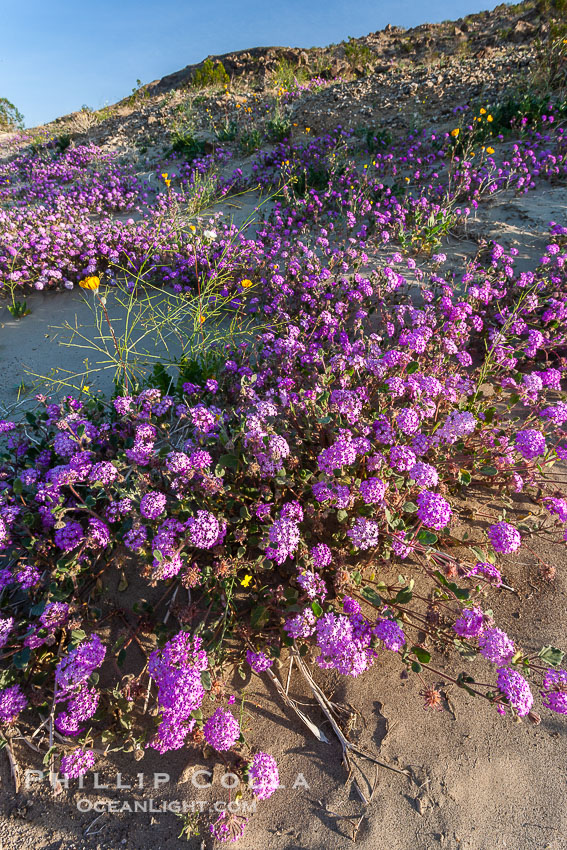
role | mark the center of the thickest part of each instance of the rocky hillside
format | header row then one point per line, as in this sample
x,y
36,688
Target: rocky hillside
x,y
393,78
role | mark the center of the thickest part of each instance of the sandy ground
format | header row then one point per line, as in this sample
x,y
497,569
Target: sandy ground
x,y
479,781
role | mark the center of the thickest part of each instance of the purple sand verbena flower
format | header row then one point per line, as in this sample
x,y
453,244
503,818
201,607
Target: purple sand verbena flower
x,y
221,730
263,776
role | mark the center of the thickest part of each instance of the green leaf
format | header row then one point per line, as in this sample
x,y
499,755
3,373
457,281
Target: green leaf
x,y
416,667
17,487
371,596
21,658
390,519
427,537
465,477
404,595
412,367
460,592
421,654
316,608
462,679
259,617
206,679
342,515
488,470
465,651
410,507
228,460
551,655
482,556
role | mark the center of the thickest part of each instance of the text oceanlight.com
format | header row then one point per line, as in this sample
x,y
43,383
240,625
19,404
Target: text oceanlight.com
x,y
161,806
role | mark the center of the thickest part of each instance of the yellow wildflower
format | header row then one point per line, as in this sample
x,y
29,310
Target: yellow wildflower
x,y
246,284
246,580
455,132
482,110
489,118
91,283
308,129
490,150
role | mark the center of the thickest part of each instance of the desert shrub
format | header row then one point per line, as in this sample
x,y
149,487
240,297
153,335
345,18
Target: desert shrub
x,y
286,75
357,53
63,141
139,94
210,75
83,120
10,117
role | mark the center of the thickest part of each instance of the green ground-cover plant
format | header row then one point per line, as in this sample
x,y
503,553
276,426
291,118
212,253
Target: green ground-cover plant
x,y
278,127
183,132
250,141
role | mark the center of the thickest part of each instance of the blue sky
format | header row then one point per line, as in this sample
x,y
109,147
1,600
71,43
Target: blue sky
x,y
57,55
